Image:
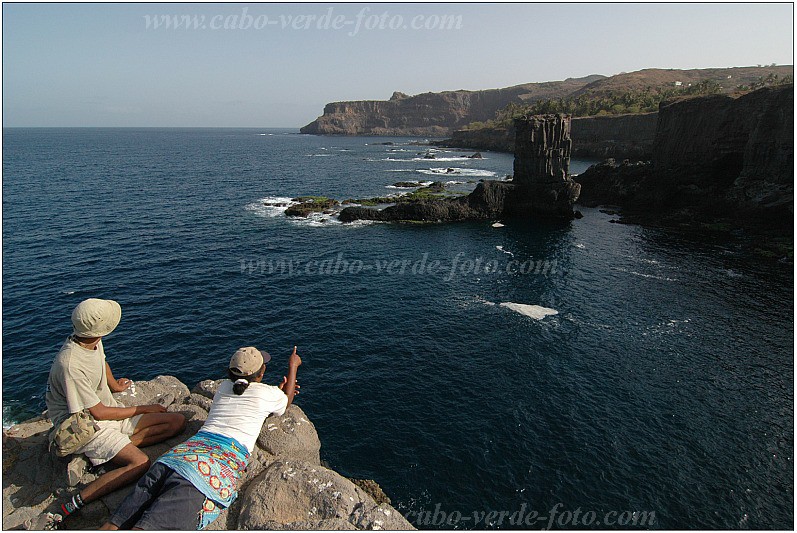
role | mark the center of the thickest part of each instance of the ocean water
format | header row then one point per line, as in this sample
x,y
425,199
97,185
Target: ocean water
x,y
662,383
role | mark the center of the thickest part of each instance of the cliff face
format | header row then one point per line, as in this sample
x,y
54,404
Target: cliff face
x,y
712,156
439,114
542,167
432,114
620,137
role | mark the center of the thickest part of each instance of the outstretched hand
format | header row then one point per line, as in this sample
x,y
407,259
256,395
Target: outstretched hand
x,y
121,384
285,381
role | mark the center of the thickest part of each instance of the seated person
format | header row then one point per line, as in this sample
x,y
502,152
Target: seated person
x,y
81,383
189,486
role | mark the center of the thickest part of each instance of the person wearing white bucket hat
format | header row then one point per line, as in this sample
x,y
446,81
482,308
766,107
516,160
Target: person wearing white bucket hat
x,y
79,390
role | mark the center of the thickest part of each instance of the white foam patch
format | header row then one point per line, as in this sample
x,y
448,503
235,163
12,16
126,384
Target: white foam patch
x,y
270,206
456,171
536,312
497,225
501,249
579,245
444,159
319,155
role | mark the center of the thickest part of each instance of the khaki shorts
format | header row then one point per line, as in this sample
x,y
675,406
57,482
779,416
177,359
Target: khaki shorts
x,y
112,436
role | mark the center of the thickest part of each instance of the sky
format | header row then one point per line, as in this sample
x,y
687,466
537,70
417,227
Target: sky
x,y
276,65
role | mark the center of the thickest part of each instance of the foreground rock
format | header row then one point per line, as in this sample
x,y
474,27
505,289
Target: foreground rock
x,y
284,487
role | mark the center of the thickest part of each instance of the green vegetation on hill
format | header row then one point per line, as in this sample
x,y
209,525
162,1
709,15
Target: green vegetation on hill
x,y
613,102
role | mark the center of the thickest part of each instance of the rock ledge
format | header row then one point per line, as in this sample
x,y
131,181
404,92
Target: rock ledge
x,y
284,487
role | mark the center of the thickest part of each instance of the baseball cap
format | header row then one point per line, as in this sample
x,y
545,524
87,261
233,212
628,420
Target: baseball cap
x,y
248,360
95,317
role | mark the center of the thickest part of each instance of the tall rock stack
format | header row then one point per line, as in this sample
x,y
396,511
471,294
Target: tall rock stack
x,y
542,164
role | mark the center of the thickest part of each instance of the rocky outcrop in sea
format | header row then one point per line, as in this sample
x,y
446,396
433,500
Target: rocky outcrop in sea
x,y
541,186
285,487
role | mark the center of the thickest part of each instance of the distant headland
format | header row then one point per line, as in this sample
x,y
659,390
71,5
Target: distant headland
x,y
613,116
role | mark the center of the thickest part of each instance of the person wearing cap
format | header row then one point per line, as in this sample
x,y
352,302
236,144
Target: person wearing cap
x,y
189,486
81,380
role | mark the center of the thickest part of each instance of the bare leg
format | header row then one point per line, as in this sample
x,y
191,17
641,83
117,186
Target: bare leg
x,y
133,463
157,427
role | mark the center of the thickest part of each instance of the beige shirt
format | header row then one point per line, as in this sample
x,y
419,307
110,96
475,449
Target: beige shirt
x,y
77,381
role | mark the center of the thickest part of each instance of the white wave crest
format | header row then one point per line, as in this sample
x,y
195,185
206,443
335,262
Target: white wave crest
x,y
444,159
458,171
270,206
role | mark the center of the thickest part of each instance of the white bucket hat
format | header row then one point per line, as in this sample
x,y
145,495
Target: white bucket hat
x,y
95,317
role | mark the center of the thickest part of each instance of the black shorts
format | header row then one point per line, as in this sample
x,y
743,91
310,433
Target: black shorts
x,y
162,499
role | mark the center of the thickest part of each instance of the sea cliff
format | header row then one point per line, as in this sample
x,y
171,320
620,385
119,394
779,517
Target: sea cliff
x,y
285,485
714,157
440,114
432,114
620,137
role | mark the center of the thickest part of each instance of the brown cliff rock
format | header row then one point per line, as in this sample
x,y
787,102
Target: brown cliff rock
x,y
432,114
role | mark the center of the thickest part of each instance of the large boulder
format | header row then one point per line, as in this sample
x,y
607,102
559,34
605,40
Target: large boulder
x,y
165,390
291,435
207,388
30,472
298,495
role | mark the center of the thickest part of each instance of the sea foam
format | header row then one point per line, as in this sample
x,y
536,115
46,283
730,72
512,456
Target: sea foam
x,y
536,312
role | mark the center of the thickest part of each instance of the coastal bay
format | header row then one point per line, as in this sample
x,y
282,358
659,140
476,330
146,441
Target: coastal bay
x,y
663,383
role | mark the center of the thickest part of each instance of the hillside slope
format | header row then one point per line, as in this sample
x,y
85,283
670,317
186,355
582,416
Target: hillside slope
x,y
439,114
433,114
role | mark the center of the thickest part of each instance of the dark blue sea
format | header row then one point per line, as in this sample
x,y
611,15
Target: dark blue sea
x,y
664,383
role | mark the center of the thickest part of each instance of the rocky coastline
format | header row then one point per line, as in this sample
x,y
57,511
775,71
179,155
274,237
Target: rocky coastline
x,y
286,486
440,114
432,114
619,137
718,162
541,186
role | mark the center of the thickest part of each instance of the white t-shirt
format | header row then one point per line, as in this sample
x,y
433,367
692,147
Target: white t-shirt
x,y
241,417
